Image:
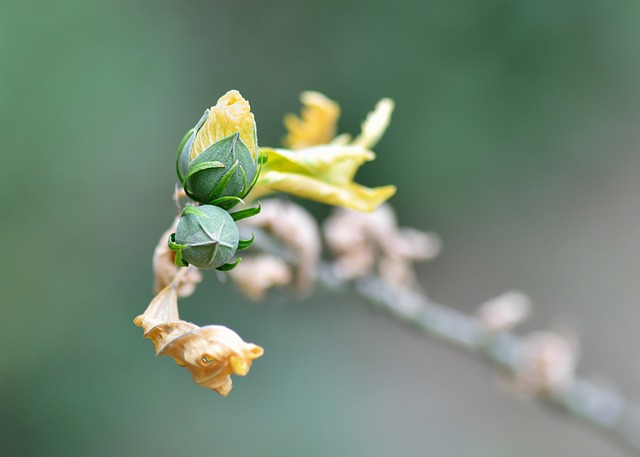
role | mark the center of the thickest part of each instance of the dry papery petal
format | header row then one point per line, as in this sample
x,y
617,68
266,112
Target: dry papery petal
x,y
294,227
165,270
547,363
255,275
358,240
504,311
211,353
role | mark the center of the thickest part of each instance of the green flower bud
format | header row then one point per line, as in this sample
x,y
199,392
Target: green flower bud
x,y
224,169
206,237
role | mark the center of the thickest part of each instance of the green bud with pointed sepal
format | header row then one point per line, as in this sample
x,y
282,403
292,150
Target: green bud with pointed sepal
x,y
221,175
206,237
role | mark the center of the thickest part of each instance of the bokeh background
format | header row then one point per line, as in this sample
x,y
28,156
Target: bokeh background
x,y
515,137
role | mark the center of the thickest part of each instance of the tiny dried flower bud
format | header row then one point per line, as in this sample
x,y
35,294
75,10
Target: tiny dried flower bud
x,y
504,311
206,237
255,275
547,364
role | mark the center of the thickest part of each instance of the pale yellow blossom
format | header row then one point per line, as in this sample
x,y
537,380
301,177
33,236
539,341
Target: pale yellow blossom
x,y
211,353
321,166
232,114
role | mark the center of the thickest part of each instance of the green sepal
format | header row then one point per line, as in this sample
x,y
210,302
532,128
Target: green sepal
x,y
203,166
229,266
262,159
226,202
245,213
173,245
224,180
205,185
178,260
184,151
180,148
244,244
192,210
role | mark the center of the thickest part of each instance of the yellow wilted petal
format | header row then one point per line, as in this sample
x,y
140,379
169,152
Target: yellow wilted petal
x,y
352,196
316,124
337,164
375,124
231,114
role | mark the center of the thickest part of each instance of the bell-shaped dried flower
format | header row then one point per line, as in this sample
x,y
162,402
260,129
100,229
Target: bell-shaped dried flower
x,y
211,353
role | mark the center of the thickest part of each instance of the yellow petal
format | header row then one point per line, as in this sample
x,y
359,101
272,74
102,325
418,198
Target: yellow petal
x,y
317,123
324,174
332,163
375,124
231,114
352,196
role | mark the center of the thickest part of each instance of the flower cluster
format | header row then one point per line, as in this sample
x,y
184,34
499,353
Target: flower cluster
x,y
220,165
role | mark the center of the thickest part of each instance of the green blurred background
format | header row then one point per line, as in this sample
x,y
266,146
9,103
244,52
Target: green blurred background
x,y
515,138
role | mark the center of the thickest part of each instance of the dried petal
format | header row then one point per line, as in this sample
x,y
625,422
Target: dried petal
x,y
255,275
295,228
358,240
504,311
547,364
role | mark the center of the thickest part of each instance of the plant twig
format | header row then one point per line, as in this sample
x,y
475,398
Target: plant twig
x,y
603,409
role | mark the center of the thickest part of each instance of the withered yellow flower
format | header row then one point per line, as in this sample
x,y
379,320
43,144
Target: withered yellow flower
x,y
317,122
211,353
322,173
322,167
232,114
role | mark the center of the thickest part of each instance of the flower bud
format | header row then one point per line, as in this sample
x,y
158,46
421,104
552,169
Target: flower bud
x,y
224,169
206,237
218,160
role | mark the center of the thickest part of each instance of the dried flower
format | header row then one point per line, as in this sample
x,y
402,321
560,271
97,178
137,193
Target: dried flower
x,y
547,363
255,275
504,311
294,227
322,169
211,353
362,241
